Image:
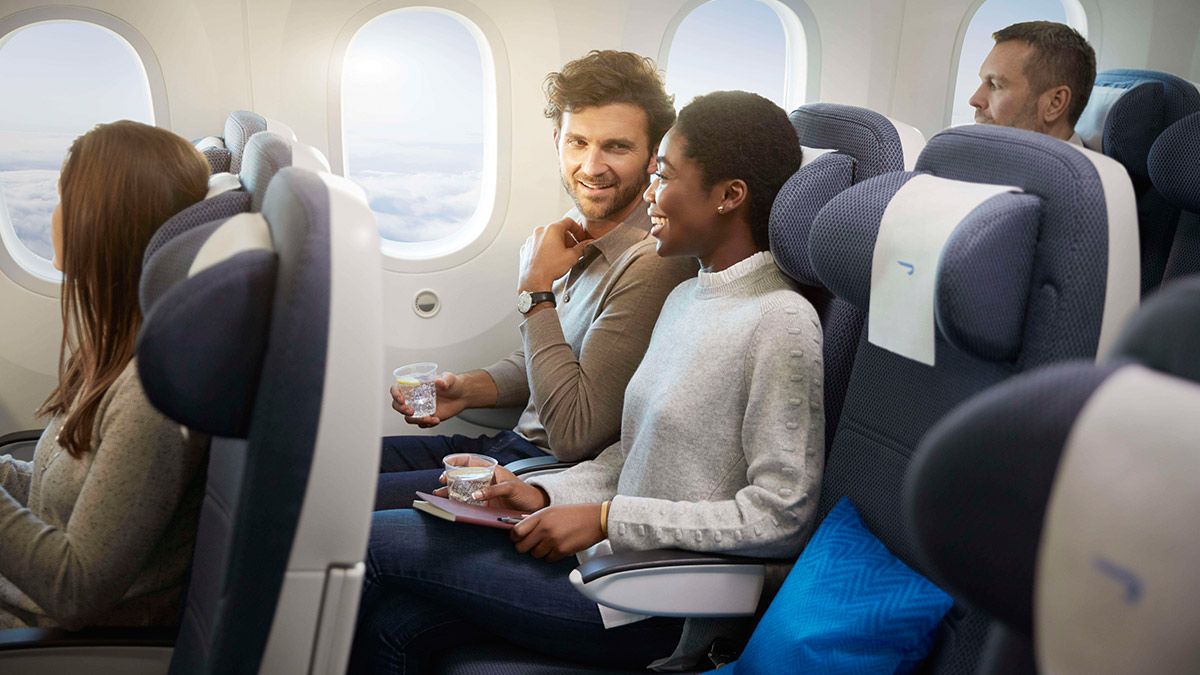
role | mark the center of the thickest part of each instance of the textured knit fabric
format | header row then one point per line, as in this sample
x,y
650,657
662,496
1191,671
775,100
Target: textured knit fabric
x,y
577,358
722,437
105,539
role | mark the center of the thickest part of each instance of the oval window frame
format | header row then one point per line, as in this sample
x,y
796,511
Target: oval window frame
x,y
486,223
799,26
17,262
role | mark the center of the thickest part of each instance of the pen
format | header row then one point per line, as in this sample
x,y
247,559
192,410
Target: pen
x,y
511,520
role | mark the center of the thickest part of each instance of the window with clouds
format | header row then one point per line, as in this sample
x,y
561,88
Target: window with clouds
x,y
60,78
413,122
977,41
738,44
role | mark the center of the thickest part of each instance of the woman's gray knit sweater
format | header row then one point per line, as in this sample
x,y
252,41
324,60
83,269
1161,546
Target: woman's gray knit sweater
x,y
722,433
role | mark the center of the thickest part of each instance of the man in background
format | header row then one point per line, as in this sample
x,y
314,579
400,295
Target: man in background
x,y
1038,77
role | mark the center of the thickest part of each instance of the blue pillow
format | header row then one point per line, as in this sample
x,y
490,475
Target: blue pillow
x,y
848,606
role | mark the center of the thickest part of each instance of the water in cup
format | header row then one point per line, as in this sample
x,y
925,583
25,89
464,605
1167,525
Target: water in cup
x,y
416,381
465,481
466,473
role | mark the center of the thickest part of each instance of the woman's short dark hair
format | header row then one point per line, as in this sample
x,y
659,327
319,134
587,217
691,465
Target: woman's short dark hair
x,y
736,134
607,77
1060,56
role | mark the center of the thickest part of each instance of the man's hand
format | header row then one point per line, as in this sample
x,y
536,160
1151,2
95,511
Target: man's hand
x,y
506,492
556,532
451,400
549,253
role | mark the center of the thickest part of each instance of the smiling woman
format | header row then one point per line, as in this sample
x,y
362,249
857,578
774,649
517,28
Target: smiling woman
x,y
60,79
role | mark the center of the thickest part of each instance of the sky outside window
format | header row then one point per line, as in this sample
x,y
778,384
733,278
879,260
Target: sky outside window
x,y
412,121
60,79
729,44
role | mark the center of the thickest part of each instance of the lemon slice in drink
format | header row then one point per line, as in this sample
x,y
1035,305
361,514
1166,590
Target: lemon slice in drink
x,y
407,382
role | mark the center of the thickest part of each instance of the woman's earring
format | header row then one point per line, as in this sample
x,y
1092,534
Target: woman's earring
x,y
721,209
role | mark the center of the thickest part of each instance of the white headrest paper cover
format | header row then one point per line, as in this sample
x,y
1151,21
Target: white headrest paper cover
x,y
809,155
243,232
222,182
1117,587
912,142
913,231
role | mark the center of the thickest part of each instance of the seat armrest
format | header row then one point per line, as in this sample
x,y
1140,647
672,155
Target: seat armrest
x,y
493,418
132,636
547,464
673,583
20,444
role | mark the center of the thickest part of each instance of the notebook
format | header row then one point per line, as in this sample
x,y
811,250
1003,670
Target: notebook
x,y
460,512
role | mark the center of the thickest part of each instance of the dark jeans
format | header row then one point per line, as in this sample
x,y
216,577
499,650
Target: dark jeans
x,y
412,463
432,585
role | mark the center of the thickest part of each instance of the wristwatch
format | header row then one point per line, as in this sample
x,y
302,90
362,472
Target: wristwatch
x,y
526,300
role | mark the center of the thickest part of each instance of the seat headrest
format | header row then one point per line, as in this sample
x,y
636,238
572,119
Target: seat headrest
x,y
215,152
982,272
877,143
240,126
1088,205
156,275
201,345
266,153
1180,97
1165,333
797,204
1173,161
1122,119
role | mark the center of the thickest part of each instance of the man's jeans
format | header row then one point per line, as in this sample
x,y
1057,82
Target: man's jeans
x,y
412,463
432,585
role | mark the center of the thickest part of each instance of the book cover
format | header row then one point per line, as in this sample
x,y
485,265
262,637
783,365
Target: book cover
x,y
460,512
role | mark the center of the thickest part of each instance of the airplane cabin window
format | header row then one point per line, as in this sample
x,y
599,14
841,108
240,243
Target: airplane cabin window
x,y
977,41
60,78
413,126
752,45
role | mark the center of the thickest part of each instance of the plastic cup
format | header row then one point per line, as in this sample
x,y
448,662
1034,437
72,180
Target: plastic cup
x,y
416,382
467,472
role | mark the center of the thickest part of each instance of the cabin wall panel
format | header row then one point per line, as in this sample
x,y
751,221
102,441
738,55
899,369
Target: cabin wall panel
x,y
924,82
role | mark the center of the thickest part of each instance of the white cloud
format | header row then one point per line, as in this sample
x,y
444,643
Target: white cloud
x,y
420,206
30,197
33,150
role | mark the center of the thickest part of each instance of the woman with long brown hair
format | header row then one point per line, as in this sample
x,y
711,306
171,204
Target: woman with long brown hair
x,y
98,529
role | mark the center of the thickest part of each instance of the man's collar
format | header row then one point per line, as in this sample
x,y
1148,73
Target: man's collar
x,y
630,231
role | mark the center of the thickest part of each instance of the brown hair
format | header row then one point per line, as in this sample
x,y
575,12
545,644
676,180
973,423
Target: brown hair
x,y
606,77
1061,56
120,181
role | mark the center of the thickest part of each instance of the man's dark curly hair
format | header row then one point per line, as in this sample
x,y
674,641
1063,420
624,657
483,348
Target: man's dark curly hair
x,y
606,77
1060,56
735,134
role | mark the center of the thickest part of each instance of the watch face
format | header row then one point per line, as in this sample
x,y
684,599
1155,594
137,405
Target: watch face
x,y
524,302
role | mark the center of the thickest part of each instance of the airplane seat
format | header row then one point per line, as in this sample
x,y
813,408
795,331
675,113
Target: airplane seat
x,y
1172,168
843,145
1060,503
1007,291
1126,112
268,339
214,150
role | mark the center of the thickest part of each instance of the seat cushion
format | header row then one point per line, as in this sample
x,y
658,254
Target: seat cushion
x,y
848,605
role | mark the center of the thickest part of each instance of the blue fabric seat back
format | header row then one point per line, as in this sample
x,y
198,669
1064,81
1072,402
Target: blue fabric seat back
x,y
1128,110
1172,166
1022,282
978,487
258,395
867,144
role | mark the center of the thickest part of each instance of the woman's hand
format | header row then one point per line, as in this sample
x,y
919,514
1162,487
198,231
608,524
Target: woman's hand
x,y
556,532
506,492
